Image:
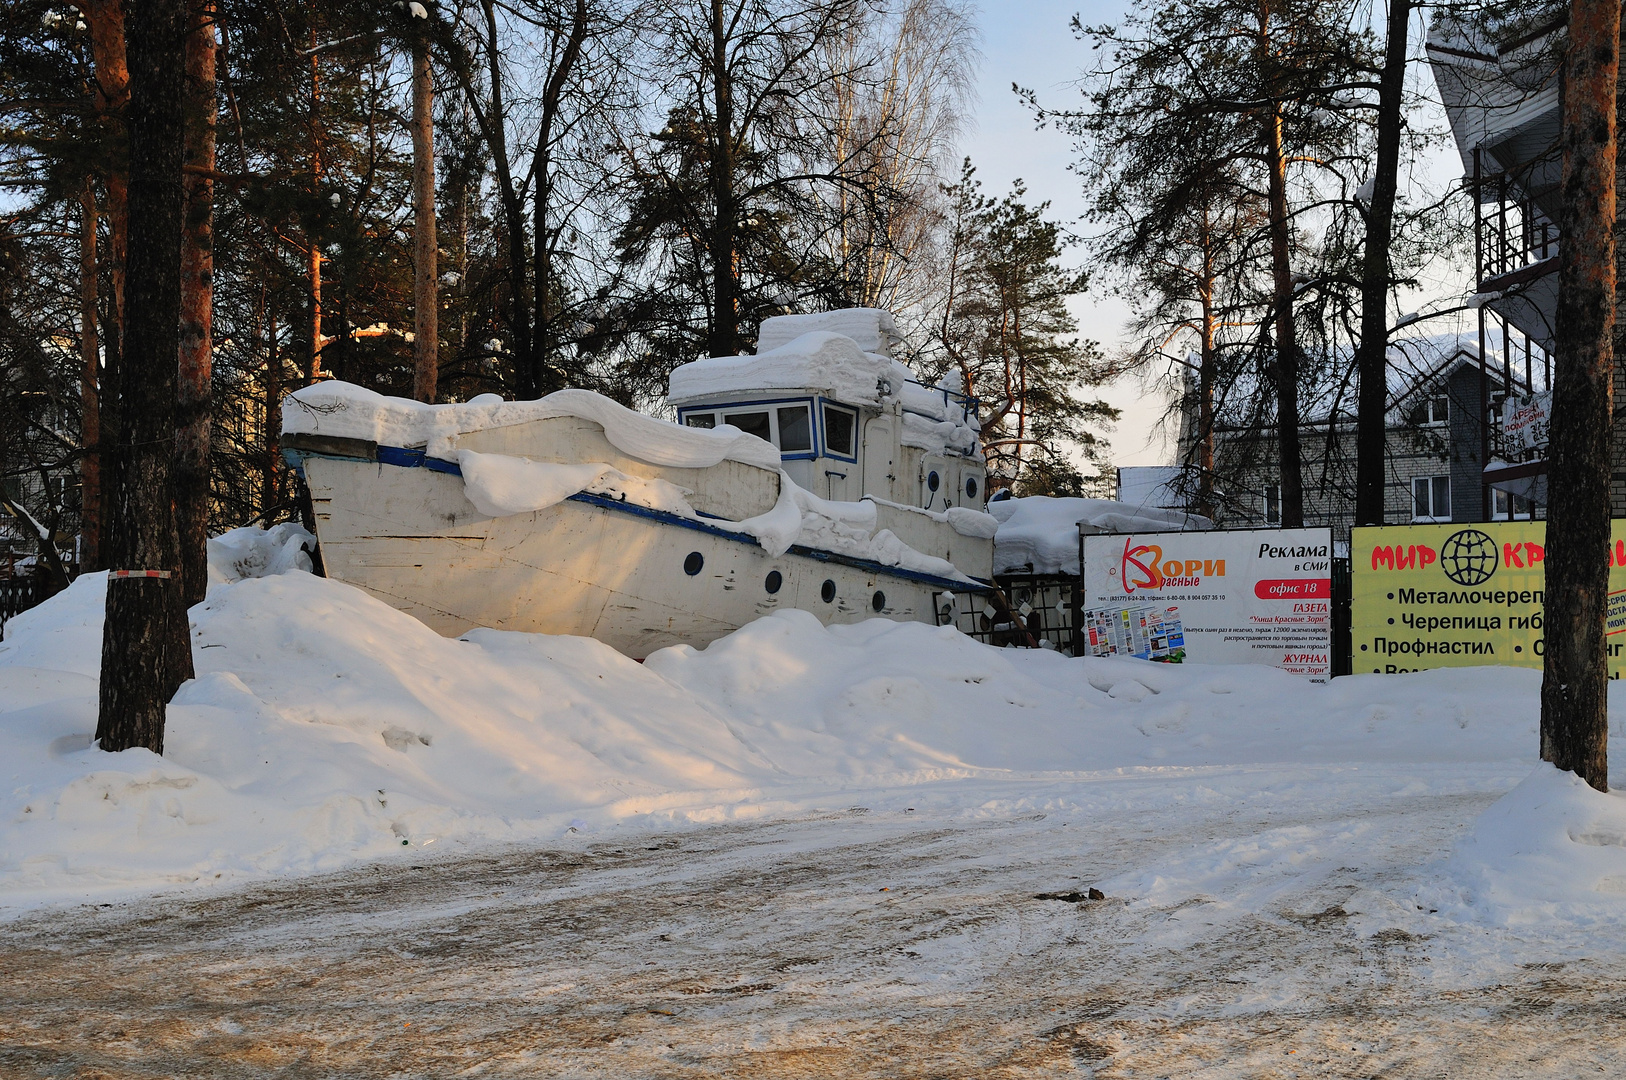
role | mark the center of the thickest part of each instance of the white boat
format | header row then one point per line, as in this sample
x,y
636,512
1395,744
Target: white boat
x,y
815,474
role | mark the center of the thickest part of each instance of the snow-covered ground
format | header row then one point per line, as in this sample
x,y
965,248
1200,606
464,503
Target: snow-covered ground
x,y
801,851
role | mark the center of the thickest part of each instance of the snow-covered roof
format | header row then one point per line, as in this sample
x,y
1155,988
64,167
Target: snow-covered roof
x,y
1039,534
1499,83
343,410
1150,486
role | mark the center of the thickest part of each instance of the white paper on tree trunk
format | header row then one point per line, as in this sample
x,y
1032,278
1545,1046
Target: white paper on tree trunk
x,y
1259,596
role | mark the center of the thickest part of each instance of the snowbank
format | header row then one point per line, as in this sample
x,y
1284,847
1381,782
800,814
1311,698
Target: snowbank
x,y
343,410
1552,850
1039,535
325,726
254,552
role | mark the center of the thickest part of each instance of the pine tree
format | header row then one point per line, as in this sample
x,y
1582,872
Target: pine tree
x,y
1015,342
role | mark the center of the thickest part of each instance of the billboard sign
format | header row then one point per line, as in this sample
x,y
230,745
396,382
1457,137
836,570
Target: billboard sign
x,y
1257,596
1456,595
1526,419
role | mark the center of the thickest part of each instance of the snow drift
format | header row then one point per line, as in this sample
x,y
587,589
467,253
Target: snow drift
x,y
325,726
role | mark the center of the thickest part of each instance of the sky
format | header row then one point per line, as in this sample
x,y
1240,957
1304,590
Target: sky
x,y
1029,42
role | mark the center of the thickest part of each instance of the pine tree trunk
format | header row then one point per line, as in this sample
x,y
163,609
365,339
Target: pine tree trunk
x,y
425,244
1207,376
1575,672
271,475
193,392
1371,355
1287,345
90,427
542,173
111,94
313,243
724,337
530,376
146,653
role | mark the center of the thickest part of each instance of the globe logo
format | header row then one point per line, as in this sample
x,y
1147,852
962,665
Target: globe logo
x,y
1468,557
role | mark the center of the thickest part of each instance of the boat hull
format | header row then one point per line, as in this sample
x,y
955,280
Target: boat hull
x,y
634,578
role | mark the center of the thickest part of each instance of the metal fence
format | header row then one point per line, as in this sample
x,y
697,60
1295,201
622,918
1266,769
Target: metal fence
x,y
17,595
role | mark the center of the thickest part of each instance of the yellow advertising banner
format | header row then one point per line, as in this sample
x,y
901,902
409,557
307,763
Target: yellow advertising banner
x,y
1455,595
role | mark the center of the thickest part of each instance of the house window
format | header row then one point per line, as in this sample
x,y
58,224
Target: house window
x,y
1435,409
1509,507
1273,504
703,420
839,427
1431,498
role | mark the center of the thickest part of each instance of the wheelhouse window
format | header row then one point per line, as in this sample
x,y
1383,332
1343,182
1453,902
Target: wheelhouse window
x,y
839,427
755,423
1431,498
788,425
795,423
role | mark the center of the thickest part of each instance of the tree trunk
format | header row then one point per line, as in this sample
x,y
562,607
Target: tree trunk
x,y
313,243
271,477
90,426
193,392
1207,373
146,651
724,337
1575,670
111,93
495,130
425,245
1371,355
1287,345
542,173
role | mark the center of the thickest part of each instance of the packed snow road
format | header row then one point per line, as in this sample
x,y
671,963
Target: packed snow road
x,y
857,942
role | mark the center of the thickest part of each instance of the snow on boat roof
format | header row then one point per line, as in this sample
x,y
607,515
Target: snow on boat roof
x,y
873,329
346,411
822,361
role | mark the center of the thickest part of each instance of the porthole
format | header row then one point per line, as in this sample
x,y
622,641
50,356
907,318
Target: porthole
x,y
933,480
827,592
773,581
971,487
694,563
878,601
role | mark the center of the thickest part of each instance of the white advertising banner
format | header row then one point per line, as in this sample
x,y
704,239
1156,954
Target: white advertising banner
x,y
1261,596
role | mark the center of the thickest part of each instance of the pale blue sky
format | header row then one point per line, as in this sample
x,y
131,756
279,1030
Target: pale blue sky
x,y
1029,42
